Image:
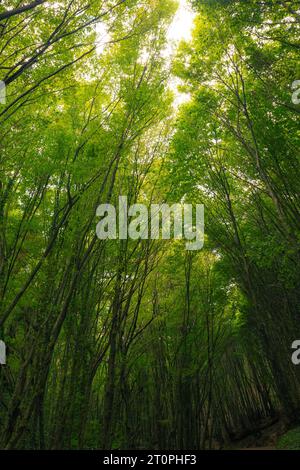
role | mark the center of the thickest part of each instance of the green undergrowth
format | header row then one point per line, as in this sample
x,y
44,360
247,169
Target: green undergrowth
x,y
290,440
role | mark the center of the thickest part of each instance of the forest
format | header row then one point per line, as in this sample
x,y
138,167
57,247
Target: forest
x,y
141,343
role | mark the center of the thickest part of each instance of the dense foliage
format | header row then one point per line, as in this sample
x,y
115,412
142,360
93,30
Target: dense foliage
x,y
141,343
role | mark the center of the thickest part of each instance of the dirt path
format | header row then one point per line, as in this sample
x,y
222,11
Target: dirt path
x,y
258,448
265,439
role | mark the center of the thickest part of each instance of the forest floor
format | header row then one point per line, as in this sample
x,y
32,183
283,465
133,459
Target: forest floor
x,y
263,439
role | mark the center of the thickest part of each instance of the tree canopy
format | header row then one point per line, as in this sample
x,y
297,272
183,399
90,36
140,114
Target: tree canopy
x,y
123,344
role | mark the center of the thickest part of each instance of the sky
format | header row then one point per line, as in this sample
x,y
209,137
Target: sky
x,y
182,24
180,29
